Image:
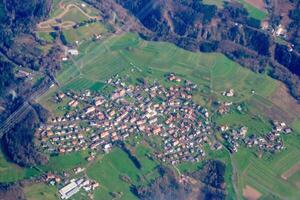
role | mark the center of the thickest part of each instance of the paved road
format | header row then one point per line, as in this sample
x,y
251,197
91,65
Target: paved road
x,y
21,112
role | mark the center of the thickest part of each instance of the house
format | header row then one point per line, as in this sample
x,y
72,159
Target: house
x,y
73,52
104,134
90,110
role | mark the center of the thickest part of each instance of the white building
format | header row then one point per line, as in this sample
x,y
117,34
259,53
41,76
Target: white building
x,y
73,52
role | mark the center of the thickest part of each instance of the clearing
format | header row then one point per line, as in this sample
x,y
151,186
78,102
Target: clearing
x,y
250,193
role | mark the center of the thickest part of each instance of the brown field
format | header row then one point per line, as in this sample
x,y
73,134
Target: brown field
x,y
257,3
250,193
297,184
286,102
290,171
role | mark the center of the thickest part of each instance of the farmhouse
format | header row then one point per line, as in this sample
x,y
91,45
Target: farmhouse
x,y
73,52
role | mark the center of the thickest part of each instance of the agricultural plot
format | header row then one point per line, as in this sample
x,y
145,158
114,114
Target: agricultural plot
x,y
45,36
40,191
84,32
253,7
265,174
65,162
253,11
109,171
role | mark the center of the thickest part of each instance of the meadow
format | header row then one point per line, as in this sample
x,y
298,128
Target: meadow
x,y
84,32
253,11
40,191
131,57
109,169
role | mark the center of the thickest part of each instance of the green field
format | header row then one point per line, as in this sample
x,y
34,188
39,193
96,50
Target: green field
x,y
107,172
40,191
253,11
84,32
45,36
65,162
264,174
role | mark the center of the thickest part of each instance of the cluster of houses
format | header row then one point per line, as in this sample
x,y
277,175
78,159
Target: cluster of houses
x,y
270,142
97,122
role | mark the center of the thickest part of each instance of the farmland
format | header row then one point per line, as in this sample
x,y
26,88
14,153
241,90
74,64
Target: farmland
x,y
40,191
111,167
131,57
253,10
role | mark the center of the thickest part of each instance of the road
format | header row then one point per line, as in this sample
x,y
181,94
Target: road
x,y
21,112
67,24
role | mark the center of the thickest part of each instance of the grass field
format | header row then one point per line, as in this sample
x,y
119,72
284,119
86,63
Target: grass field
x,y
253,11
45,36
84,32
264,174
108,170
40,191
65,162
218,3
10,172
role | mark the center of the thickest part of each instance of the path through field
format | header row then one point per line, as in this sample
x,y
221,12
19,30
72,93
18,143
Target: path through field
x,y
67,24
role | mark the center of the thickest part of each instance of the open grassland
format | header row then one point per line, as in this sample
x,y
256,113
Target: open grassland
x,y
218,3
84,32
65,162
253,11
45,36
108,171
40,191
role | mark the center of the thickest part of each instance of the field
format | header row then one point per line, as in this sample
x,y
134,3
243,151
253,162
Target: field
x,y
40,191
84,32
132,57
253,11
252,7
108,171
45,36
65,162
265,174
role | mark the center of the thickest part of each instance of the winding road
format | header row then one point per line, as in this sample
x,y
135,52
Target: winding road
x,y
66,24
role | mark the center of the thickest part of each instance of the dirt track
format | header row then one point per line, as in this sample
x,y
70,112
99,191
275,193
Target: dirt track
x,y
67,24
291,171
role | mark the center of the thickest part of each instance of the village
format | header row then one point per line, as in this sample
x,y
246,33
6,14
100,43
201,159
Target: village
x,y
96,122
